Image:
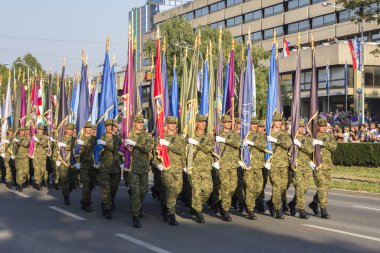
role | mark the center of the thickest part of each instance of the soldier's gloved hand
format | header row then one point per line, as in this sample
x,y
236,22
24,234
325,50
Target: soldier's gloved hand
x,y
248,142
185,169
77,166
52,139
271,139
58,163
61,144
13,157
80,142
216,165
15,140
297,142
317,142
164,142
160,167
101,142
267,166
220,139
2,155
193,141
36,139
129,142
4,141
312,165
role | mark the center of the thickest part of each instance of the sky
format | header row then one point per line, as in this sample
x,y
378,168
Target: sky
x,y
52,29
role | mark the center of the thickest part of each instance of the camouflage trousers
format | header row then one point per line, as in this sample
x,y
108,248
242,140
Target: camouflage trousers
x,y
253,180
201,188
172,182
22,170
55,171
239,193
228,183
40,173
67,175
322,179
158,187
279,178
88,180
301,184
186,189
109,184
8,171
291,180
265,174
215,186
139,188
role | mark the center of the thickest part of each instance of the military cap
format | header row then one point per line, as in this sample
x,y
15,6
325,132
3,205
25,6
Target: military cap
x,y
108,122
70,127
254,120
138,118
238,121
41,127
201,118
171,120
94,127
55,127
226,119
21,128
27,127
115,123
261,123
88,124
302,123
322,122
277,117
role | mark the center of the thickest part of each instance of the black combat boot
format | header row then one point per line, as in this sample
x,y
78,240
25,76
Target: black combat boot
x,y
226,216
241,207
285,207
251,215
172,220
260,206
292,208
279,214
66,199
88,208
234,202
199,217
108,214
136,222
21,188
56,186
141,213
314,206
324,214
303,214
83,204
271,208
9,185
165,215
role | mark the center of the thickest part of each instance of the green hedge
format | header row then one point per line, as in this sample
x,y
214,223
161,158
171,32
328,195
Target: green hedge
x,y
357,154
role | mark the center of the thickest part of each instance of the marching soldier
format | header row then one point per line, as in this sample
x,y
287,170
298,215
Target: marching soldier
x,y
229,163
22,158
322,174
278,175
141,144
40,151
238,200
6,153
54,157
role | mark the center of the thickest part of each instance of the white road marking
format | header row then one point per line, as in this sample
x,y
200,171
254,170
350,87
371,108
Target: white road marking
x,y
142,243
369,208
72,215
344,232
19,193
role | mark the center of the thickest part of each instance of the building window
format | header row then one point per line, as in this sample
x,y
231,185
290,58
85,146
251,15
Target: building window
x,y
376,36
233,2
294,4
255,15
305,80
201,12
346,15
189,15
317,1
257,36
218,24
270,32
234,21
273,10
217,6
324,20
298,26
372,75
239,38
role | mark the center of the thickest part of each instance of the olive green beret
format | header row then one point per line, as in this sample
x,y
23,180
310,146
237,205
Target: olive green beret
x,y
302,123
27,127
70,127
21,128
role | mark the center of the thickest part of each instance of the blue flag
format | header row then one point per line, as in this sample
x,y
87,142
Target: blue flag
x,y
203,110
174,95
74,102
105,105
225,89
114,111
246,110
165,85
95,105
83,103
271,99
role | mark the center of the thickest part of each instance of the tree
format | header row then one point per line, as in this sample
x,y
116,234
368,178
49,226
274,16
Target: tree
x,y
365,11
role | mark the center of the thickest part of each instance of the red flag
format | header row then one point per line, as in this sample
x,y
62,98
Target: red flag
x,y
158,97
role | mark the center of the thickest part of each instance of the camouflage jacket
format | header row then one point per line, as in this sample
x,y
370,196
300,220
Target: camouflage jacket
x,y
109,155
176,151
141,153
6,148
41,146
23,146
202,156
280,157
69,141
230,156
305,151
329,145
258,149
86,150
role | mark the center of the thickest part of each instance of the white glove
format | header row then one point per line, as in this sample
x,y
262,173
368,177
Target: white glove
x,y
101,142
129,142
13,157
185,169
80,142
16,140
193,141
2,155
312,165
271,139
160,167
61,144
267,166
220,139
241,164
317,142
5,141
52,139
58,163
297,142
164,142
216,165
248,142
77,166
36,139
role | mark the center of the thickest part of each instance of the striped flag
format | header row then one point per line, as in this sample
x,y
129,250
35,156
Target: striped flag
x,y
354,45
285,49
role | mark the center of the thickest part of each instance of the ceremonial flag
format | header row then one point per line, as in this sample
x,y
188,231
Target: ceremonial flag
x,y
48,113
225,90
174,93
354,45
230,108
272,101
203,109
160,107
246,110
23,106
218,104
17,105
84,101
184,93
41,102
35,116
285,49
254,106
211,111
165,82
114,111
241,85
74,103
280,103
7,112
95,104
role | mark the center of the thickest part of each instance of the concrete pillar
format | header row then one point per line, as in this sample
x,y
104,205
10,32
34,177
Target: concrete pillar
x,y
357,84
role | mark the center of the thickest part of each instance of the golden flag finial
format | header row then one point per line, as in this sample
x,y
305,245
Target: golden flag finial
x,y
158,32
9,74
164,45
186,52
108,42
49,70
207,52
64,61
299,41
274,35
86,62
249,36
114,59
210,50
220,38
129,30
242,52
312,42
23,77
35,72
175,61
233,44
82,54
19,74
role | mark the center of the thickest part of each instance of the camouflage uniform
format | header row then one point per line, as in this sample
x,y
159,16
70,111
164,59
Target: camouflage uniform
x,y
39,161
239,195
139,169
278,174
22,160
253,178
54,159
6,154
229,162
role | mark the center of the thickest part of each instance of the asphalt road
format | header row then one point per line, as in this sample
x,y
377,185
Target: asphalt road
x,y
39,222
